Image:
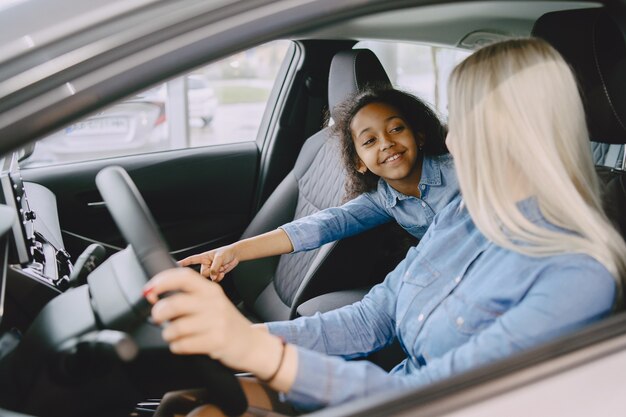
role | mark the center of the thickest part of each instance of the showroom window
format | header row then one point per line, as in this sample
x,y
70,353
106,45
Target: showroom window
x,y
220,103
422,70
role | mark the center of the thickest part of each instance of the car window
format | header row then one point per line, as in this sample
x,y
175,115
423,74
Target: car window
x,y
424,71
419,69
222,102
608,155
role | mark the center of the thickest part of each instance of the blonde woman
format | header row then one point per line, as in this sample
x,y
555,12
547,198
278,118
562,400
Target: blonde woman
x,y
527,255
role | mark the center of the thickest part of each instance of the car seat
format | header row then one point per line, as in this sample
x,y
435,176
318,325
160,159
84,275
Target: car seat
x,y
594,46
271,289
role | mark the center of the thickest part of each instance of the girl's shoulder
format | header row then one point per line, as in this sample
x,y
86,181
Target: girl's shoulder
x,y
382,189
440,165
383,194
444,159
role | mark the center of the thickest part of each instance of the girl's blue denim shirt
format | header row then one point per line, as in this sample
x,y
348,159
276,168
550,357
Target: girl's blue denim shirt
x,y
438,186
457,301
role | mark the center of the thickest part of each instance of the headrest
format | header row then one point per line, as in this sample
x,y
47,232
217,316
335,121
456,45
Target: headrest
x,y
594,46
352,70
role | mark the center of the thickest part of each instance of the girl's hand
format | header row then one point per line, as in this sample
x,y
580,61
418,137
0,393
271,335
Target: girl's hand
x,y
199,319
216,263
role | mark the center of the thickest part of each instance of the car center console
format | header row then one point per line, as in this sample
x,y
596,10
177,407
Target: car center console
x,y
50,261
38,267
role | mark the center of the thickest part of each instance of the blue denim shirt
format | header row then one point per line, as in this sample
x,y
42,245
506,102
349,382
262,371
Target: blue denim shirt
x,y
438,186
457,301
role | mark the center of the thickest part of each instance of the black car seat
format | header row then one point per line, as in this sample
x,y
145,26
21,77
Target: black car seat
x,y
272,288
594,46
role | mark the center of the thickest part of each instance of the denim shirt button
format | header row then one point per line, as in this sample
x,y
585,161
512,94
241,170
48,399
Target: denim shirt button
x,y
457,279
423,204
459,321
422,186
420,317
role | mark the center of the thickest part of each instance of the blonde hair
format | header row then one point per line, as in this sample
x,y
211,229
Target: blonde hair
x,y
517,121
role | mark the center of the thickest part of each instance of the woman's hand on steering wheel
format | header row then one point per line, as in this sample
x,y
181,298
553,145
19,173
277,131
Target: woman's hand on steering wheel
x,y
198,318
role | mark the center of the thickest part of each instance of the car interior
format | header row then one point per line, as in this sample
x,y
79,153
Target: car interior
x,y
594,46
74,335
316,182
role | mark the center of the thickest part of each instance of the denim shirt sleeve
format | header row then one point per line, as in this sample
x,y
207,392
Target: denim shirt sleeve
x,y
357,215
547,311
350,331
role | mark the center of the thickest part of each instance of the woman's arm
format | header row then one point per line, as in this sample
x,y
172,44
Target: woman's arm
x,y
198,318
218,262
201,320
351,331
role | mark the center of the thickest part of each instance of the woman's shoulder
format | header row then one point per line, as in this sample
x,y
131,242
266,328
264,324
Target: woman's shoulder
x,y
579,265
453,211
581,276
573,270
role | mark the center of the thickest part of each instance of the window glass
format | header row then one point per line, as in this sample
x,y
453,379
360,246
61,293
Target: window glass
x,y
419,69
608,155
222,102
424,71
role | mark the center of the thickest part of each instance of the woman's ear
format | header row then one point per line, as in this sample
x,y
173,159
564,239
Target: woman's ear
x,y
360,167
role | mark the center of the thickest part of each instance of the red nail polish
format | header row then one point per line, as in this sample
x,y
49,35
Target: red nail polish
x,y
147,291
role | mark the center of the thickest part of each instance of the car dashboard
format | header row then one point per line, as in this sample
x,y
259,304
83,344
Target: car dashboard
x,y
36,267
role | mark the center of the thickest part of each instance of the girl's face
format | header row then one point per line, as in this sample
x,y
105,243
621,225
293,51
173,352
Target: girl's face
x,y
385,143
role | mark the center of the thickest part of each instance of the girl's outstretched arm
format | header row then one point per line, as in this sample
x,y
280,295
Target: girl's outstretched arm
x,y
216,263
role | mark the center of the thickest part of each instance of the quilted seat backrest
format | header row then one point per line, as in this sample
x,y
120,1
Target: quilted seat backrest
x,y
321,185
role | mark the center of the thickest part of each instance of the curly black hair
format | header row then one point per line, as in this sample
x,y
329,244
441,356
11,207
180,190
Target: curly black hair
x,y
418,115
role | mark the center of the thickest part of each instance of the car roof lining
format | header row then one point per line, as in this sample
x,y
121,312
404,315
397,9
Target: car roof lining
x,y
445,24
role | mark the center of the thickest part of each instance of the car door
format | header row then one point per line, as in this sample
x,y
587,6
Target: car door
x,y
197,164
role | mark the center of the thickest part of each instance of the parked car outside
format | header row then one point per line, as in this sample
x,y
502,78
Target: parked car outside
x,y
137,123
202,100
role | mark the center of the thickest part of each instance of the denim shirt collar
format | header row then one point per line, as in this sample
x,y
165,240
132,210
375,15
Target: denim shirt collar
x,y
431,175
529,207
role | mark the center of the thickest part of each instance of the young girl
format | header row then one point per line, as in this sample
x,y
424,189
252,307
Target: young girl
x,y
397,168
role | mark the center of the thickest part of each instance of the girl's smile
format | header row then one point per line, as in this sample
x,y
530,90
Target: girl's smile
x,y
392,158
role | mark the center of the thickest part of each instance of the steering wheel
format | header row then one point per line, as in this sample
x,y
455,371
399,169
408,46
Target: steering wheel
x,y
131,215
